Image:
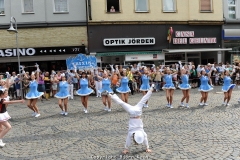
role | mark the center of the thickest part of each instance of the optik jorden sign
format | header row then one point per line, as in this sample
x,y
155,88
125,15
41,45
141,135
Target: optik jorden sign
x,y
128,41
13,52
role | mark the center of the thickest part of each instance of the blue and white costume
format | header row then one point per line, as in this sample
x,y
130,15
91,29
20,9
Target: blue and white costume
x,y
204,87
33,93
124,86
185,85
227,84
84,90
169,84
106,86
63,90
145,83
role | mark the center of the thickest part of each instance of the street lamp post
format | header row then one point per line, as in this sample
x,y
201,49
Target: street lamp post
x,y
12,30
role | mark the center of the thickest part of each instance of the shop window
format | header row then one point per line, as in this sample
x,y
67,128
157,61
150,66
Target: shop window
x,y
169,5
232,9
60,6
2,10
205,5
113,6
28,6
141,5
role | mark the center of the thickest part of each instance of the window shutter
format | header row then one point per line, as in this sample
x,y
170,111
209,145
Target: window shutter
x,y
206,5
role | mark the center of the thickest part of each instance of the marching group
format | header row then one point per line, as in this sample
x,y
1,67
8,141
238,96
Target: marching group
x,y
105,83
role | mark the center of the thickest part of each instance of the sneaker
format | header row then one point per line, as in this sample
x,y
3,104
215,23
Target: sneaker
x,y
34,114
212,85
62,113
224,103
182,105
85,111
66,113
227,104
97,96
37,115
187,106
105,108
145,106
109,110
200,104
205,104
2,144
170,106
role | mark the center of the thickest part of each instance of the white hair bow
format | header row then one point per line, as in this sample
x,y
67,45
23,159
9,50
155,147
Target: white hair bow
x,y
62,75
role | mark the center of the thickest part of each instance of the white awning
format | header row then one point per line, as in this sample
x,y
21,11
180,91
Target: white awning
x,y
196,50
231,32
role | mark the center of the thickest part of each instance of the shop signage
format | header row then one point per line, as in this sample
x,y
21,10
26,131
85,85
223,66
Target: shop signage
x,y
202,40
13,52
184,34
189,34
128,41
42,51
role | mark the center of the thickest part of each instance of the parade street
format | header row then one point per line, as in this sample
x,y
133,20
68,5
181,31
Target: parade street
x,y
209,132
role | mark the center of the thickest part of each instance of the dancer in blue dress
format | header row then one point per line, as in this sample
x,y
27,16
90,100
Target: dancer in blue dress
x,y
169,86
33,94
145,83
63,94
204,87
227,87
123,89
185,87
106,86
84,91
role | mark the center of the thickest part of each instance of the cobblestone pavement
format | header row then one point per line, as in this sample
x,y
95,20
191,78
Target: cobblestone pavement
x,y
210,132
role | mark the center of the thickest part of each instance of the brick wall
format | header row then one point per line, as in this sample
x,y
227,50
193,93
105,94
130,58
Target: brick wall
x,y
44,37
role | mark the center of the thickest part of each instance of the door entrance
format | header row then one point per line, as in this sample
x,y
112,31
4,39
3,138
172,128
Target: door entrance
x,y
196,61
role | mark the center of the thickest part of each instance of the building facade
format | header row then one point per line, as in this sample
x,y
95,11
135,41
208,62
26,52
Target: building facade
x,y
231,30
49,31
159,31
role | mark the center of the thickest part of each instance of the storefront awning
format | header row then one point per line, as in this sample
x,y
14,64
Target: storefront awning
x,y
196,50
231,34
125,53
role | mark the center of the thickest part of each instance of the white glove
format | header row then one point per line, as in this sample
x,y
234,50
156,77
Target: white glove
x,y
38,70
8,75
153,85
37,65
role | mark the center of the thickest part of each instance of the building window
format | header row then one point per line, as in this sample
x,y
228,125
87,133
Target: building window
x,y
2,11
169,5
28,6
205,5
61,6
141,5
232,9
113,6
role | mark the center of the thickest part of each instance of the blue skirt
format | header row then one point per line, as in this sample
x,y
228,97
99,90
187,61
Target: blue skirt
x,y
144,87
123,89
84,92
226,88
205,88
109,90
168,86
184,86
62,95
33,95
